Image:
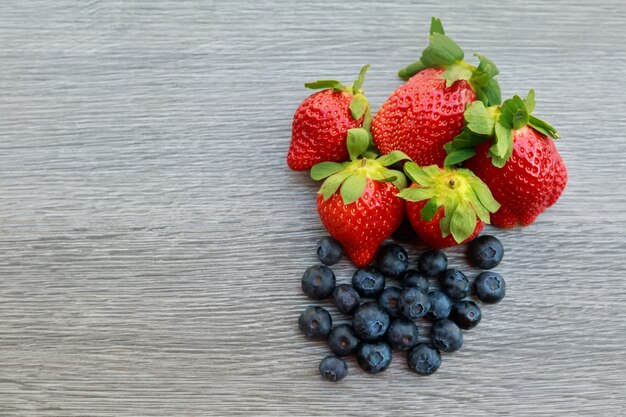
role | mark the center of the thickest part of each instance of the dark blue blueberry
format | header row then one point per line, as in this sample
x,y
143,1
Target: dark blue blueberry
x,y
414,279
432,263
343,340
402,334
490,287
315,323
392,260
485,252
346,298
389,302
440,305
370,322
329,250
414,303
424,359
466,314
404,232
368,282
333,368
318,282
374,357
454,283
446,336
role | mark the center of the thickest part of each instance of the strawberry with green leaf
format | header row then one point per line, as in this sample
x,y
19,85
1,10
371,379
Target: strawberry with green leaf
x,y
446,206
321,123
514,153
427,111
358,202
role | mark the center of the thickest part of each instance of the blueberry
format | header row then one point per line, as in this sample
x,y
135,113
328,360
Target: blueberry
x,y
466,314
413,278
318,282
446,336
315,322
404,232
432,263
424,359
343,340
370,321
414,303
490,287
329,250
374,357
440,305
485,252
346,298
454,283
333,368
402,334
368,282
389,302
392,260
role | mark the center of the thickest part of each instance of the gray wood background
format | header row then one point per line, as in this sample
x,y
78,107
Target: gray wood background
x,y
152,238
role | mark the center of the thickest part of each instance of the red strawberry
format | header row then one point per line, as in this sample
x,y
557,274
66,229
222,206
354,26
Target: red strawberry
x,y
430,232
363,225
427,111
446,207
358,202
321,122
521,165
421,116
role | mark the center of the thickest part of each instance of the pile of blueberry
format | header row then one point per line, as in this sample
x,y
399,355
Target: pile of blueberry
x,y
387,320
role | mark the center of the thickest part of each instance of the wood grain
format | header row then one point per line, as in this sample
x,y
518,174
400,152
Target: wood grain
x,y
152,239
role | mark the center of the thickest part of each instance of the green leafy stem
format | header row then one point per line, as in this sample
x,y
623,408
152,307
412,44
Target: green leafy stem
x,y
463,196
498,123
443,52
352,176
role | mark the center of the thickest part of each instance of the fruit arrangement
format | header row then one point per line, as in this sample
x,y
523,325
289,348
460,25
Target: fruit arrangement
x,y
442,157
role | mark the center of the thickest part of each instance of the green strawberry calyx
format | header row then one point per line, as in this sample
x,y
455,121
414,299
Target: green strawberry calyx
x,y
464,197
364,163
443,52
498,123
359,105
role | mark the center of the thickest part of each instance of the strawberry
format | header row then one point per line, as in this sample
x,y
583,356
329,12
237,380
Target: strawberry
x,y
321,122
446,206
427,111
358,202
513,152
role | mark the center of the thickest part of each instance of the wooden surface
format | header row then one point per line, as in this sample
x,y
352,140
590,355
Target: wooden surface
x,y
152,239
